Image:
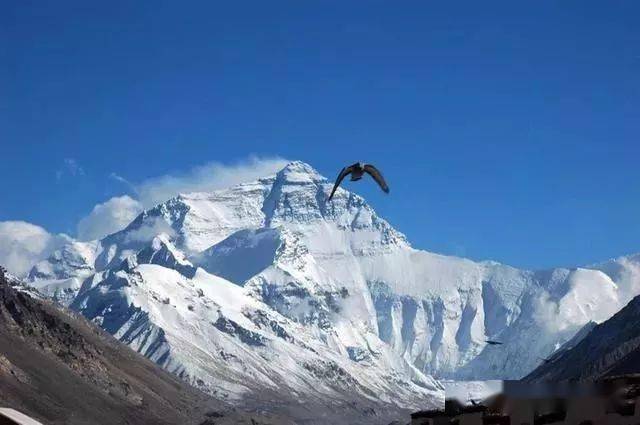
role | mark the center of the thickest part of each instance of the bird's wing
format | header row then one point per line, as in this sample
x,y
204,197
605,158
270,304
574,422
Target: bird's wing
x,y
377,176
345,171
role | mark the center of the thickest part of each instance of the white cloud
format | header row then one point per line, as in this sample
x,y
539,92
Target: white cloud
x,y
547,312
588,295
74,168
211,176
70,167
23,244
108,217
124,181
150,231
116,213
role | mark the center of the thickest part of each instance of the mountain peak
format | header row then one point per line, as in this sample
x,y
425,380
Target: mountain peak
x,y
299,172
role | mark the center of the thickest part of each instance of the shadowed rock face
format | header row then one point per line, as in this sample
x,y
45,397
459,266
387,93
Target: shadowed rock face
x,y
58,368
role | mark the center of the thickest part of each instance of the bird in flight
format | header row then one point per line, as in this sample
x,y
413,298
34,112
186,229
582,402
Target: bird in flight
x,y
357,170
493,342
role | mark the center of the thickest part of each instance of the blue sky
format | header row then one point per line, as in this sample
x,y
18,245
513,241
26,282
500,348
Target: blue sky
x,y
507,130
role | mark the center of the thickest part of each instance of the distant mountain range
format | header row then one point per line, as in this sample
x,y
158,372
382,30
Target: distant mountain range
x,y
267,288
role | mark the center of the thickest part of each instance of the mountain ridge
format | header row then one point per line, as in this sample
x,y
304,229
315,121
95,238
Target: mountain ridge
x,y
348,282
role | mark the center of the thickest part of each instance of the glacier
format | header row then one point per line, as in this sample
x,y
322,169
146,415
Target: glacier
x,y
267,288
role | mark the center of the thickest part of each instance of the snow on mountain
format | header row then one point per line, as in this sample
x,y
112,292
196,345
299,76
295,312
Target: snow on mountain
x,y
242,255
161,252
60,276
608,349
354,297
213,334
58,369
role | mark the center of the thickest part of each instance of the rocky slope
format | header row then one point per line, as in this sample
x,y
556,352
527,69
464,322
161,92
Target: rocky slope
x,y
59,369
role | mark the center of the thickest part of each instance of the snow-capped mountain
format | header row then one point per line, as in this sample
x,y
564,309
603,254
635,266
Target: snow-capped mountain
x,y
268,282
61,275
